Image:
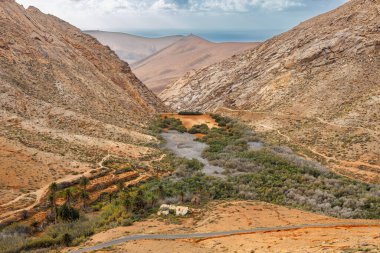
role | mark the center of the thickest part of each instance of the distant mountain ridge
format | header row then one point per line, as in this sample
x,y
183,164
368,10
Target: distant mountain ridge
x,y
188,53
133,48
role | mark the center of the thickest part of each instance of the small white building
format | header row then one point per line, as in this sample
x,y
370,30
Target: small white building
x,y
178,210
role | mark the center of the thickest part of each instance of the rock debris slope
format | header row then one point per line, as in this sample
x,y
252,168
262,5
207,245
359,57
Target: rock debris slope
x,y
316,85
65,101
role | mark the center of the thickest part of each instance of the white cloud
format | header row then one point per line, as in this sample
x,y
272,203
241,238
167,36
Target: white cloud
x,y
129,6
123,15
244,5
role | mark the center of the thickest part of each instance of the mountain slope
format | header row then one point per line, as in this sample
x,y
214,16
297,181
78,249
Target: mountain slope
x,y
66,101
132,48
189,53
316,85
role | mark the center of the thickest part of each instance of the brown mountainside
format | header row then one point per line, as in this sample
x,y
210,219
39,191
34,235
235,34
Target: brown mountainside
x,y
66,101
316,86
191,52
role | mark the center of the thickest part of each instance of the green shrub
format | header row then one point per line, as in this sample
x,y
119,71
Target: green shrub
x,y
199,129
67,213
169,123
42,242
12,243
190,113
74,229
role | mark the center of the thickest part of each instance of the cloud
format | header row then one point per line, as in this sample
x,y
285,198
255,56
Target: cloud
x,y
244,5
186,5
191,15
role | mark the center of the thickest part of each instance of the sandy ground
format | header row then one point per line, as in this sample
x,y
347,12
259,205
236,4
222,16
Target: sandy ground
x,y
24,169
190,120
224,216
184,145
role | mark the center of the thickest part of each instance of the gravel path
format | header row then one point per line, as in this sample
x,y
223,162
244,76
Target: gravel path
x,y
217,234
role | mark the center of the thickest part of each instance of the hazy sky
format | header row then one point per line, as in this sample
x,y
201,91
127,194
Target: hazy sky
x,y
157,17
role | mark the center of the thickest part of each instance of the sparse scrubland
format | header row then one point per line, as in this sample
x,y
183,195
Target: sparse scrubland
x,y
275,175
272,174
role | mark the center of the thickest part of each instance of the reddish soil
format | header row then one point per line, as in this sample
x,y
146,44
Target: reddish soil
x,y
190,120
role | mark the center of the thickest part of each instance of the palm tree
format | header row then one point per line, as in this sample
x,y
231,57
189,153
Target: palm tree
x,y
152,198
139,201
120,186
84,181
68,195
161,191
52,199
53,187
127,200
84,196
182,194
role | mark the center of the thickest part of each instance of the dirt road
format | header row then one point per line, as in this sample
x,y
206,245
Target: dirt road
x,y
217,234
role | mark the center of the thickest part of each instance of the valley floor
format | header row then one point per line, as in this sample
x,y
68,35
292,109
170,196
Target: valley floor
x,y
347,148
338,235
226,206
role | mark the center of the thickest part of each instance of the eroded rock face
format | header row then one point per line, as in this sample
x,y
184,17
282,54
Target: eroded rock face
x,y
52,62
322,57
65,100
325,69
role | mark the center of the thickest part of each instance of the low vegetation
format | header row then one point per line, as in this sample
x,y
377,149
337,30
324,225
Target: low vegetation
x,y
199,129
167,123
272,174
275,175
18,238
190,113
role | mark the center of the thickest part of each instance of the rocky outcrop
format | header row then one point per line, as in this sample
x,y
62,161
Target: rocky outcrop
x,y
321,75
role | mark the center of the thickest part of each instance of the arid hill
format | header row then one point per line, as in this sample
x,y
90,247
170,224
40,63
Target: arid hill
x,y
315,86
191,52
132,48
66,101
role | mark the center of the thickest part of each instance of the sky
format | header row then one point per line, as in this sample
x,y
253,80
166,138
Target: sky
x,y
216,20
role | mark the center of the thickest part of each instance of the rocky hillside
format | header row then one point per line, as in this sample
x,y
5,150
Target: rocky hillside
x,y
65,101
191,52
316,86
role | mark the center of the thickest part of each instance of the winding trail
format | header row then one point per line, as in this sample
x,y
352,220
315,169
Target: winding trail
x,y
41,193
210,235
373,133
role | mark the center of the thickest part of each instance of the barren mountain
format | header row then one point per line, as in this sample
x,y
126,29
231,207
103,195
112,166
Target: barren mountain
x,y
132,48
191,52
315,86
66,101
